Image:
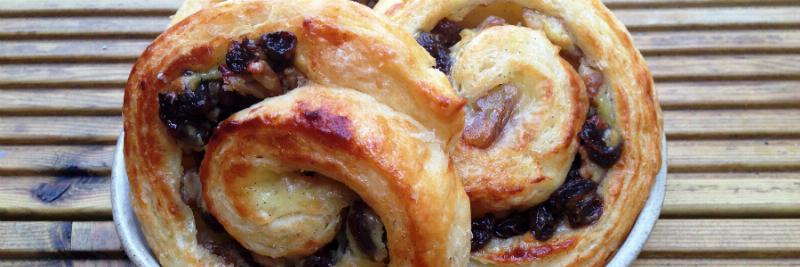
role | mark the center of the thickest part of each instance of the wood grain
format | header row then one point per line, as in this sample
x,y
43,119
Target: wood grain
x,y
740,194
59,129
679,124
717,41
55,198
65,263
29,239
750,66
733,155
659,42
728,94
26,160
56,7
751,262
72,50
694,124
724,237
79,27
709,17
663,68
102,101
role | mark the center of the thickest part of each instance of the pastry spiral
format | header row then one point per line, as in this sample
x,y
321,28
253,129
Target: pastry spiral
x,y
562,136
302,132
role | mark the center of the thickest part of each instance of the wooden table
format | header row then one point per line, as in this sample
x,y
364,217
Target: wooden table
x,y
727,74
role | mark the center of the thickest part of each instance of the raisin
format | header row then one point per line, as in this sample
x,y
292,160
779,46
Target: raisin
x,y
447,32
279,48
585,211
437,50
513,225
575,168
591,139
482,229
324,257
368,3
568,192
240,54
363,223
543,223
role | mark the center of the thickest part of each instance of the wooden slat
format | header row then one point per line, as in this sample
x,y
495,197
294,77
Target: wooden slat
x,y
752,262
104,101
56,7
670,237
732,195
729,94
684,156
75,27
725,41
662,67
712,17
50,159
679,124
56,129
636,19
64,74
65,263
61,198
724,237
58,238
733,155
72,50
686,124
724,66
648,42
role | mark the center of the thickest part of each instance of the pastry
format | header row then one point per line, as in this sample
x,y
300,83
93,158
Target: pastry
x,y
562,135
293,133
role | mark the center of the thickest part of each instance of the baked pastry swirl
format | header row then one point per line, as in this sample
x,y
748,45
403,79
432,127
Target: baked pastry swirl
x,y
562,136
285,133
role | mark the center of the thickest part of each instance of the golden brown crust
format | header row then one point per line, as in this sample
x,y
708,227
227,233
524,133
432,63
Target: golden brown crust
x,y
605,42
340,44
394,164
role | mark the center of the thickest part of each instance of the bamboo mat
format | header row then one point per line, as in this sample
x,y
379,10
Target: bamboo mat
x,y
727,74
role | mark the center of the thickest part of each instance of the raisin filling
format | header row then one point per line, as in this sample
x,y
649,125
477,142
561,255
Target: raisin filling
x,y
253,70
576,203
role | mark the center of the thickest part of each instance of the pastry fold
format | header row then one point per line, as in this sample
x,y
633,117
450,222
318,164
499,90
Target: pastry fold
x,y
518,42
370,121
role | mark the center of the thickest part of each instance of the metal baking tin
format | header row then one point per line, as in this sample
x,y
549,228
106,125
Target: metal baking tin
x,y
139,253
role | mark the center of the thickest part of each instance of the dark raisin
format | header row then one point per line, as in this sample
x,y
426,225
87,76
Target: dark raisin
x,y
369,3
591,139
231,102
363,224
279,47
448,32
569,191
482,229
437,50
575,168
543,223
585,211
513,225
239,55
324,257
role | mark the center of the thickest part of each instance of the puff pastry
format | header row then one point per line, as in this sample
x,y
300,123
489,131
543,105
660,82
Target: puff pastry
x,y
293,133
561,142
